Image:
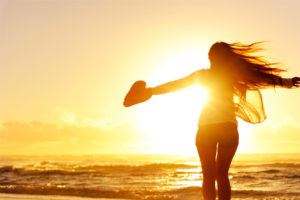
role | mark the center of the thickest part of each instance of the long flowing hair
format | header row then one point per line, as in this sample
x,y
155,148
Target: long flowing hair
x,y
247,71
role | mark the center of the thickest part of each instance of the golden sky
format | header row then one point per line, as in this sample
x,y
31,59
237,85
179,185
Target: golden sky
x,y
65,67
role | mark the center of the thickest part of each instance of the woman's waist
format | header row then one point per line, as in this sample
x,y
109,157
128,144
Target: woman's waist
x,y
219,107
219,124
217,115
204,122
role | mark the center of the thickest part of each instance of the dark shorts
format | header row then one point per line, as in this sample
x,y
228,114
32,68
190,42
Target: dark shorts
x,y
223,134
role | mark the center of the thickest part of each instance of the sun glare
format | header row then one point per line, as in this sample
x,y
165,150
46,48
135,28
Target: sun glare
x,y
245,144
171,120
178,65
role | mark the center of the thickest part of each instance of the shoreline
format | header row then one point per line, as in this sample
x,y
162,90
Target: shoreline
x,y
9,196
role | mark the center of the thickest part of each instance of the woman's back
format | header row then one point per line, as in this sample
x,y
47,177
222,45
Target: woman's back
x,y
219,106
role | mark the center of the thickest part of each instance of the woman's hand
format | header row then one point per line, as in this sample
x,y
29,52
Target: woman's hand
x,y
138,93
296,81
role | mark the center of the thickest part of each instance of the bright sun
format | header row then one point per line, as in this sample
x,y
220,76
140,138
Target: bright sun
x,y
171,120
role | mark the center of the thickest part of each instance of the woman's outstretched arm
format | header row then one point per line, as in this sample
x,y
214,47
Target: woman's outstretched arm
x,y
172,86
270,79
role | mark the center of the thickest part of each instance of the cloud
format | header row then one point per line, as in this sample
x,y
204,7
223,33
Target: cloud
x,y
70,118
74,135
49,138
281,139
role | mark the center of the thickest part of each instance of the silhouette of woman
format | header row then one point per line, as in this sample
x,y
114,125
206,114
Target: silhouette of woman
x,y
233,82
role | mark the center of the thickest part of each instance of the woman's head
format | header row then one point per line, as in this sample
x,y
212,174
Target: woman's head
x,y
220,53
236,61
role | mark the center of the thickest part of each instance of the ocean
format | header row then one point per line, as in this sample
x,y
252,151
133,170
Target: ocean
x,y
145,177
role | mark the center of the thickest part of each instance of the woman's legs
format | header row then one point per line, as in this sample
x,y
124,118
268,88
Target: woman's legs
x,y
223,161
208,163
216,168
216,146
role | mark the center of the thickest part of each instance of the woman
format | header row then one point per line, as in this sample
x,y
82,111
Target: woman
x,y
233,82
